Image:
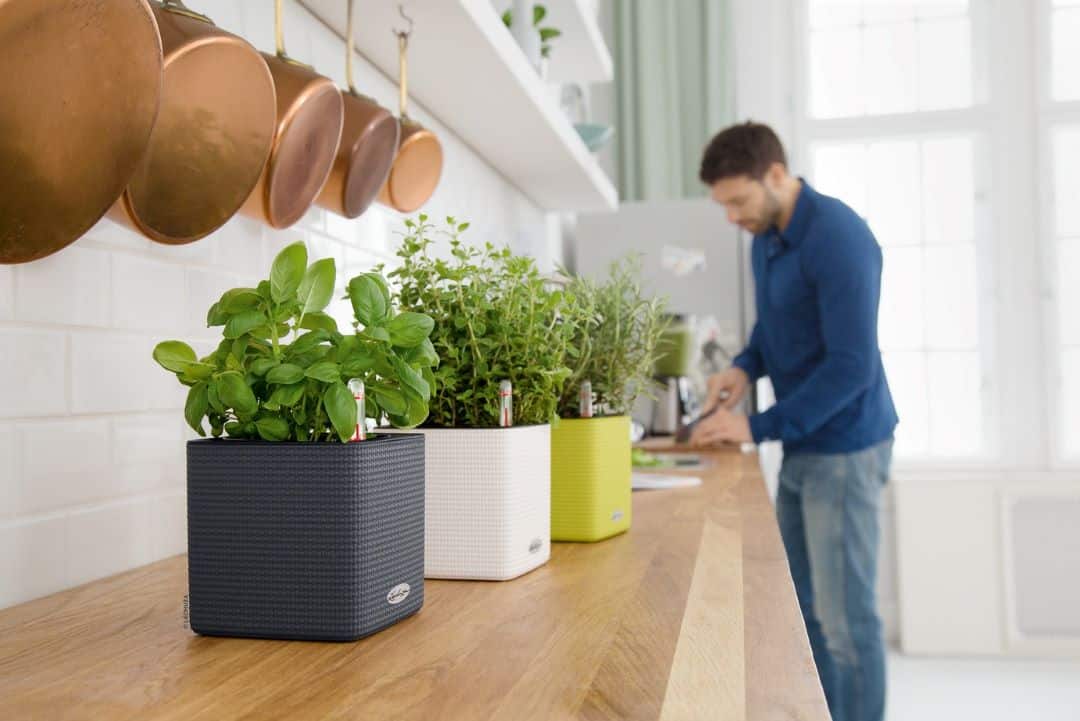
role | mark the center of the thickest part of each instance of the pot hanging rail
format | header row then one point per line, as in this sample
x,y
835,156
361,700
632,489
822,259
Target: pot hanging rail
x,y
309,119
76,112
369,143
212,136
418,165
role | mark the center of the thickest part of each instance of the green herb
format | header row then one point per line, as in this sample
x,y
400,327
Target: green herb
x,y
495,319
257,385
546,34
615,349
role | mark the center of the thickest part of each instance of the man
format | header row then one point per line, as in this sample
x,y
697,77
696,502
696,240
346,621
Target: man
x,y
817,276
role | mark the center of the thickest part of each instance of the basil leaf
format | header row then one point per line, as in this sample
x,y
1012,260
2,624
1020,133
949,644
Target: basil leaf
x,y
285,373
341,409
408,329
324,371
287,272
236,394
272,428
244,322
317,287
174,355
195,407
370,298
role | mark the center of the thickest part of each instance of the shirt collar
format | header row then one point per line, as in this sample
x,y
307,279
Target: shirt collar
x,y
800,217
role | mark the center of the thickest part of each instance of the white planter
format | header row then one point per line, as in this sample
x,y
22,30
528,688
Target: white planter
x,y
487,501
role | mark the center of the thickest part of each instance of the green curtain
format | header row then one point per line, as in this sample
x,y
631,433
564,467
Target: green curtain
x,y
673,92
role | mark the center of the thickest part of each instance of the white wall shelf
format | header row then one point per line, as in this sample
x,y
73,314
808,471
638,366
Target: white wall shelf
x,y
580,54
466,69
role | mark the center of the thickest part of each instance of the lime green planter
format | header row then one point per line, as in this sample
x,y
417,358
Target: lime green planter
x,y
590,478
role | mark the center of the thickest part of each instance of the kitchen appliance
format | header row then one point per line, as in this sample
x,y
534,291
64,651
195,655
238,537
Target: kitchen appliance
x,y
76,116
418,165
369,143
677,402
212,136
310,115
691,255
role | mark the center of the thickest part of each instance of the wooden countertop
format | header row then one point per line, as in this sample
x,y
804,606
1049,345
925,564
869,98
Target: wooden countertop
x,y
691,615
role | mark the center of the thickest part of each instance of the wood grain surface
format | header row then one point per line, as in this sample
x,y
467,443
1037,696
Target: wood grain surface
x,y
691,615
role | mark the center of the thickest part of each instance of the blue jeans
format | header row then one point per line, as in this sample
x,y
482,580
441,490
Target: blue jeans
x,y
827,508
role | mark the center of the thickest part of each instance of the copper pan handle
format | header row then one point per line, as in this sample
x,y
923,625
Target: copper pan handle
x,y
349,50
279,38
179,8
403,63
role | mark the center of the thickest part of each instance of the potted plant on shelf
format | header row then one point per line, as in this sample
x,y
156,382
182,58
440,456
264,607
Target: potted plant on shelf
x,y
497,324
614,353
534,41
295,532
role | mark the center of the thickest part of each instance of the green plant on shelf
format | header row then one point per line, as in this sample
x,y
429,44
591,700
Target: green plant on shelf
x,y
616,347
281,370
546,34
496,318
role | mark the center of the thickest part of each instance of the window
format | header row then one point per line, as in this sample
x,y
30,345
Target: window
x,y
1063,124
877,70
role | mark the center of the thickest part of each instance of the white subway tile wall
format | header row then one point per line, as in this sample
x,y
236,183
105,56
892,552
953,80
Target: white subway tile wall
x,y
92,477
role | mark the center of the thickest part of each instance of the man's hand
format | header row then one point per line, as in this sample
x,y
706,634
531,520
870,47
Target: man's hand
x,y
727,388
723,425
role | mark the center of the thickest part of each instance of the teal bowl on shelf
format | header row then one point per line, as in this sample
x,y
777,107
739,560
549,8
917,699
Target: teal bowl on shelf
x,y
594,135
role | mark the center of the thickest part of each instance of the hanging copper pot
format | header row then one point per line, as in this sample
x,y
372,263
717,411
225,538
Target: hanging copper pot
x,y
310,114
76,111
369,142
212,136
419,160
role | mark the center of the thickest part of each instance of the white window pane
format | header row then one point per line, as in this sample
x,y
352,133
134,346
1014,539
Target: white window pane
x,y
900,317
1067,180
835,73
940,8
906,374
952,317
954,393
1070,402
1068,292
885,11
1065,57
834,13
840,171
888,62
948,184
893,192
944,64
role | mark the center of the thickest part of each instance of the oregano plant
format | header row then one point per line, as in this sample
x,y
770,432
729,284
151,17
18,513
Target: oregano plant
x,y
281,369
496,318
616,346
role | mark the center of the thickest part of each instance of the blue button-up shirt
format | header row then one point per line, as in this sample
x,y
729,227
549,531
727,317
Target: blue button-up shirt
x,y
817,287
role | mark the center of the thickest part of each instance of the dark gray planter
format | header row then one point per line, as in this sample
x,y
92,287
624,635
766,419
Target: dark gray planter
x,y
311,541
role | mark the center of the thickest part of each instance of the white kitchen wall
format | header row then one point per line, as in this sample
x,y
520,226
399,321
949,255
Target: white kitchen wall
x,y
91,430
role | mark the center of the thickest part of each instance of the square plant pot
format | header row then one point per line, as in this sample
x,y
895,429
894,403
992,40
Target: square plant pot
x,y
311,541
488,514
590,478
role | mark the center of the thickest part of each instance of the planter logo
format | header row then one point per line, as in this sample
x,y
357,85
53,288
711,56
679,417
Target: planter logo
x,y
617,515
536,545
398,593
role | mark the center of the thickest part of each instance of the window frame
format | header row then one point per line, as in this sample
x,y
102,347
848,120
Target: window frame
x,y
1015,385
1051,115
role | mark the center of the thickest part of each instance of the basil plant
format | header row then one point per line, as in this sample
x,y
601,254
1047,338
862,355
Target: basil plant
x,y
281,369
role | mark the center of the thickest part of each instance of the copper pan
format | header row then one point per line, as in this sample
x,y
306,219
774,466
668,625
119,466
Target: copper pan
x,y
419,161
212,136
310,114
369,142
76,111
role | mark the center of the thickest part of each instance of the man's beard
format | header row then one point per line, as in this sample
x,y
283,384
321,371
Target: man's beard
x,y
770,216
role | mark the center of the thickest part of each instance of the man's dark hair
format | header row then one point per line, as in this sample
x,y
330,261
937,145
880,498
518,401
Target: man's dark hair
x,y
745,149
